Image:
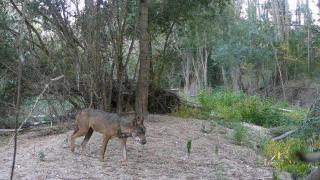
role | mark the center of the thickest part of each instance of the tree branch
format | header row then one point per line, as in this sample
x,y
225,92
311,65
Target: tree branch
x,y
44,48
35,104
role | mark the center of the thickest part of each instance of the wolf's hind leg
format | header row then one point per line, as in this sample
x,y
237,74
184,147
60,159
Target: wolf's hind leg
x,y
86,139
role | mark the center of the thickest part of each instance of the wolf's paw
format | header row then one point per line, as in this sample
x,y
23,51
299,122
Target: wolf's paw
x,y
101,159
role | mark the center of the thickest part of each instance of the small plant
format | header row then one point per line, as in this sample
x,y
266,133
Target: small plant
x,y
66,140
275,175
216,150
240,134
41,156
189,146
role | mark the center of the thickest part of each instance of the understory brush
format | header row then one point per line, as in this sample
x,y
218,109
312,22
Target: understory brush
x,y
239,107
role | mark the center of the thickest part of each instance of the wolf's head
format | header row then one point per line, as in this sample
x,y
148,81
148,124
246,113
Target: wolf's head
x,y
139,131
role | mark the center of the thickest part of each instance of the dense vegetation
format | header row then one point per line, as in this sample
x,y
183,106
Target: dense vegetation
x,y
235,106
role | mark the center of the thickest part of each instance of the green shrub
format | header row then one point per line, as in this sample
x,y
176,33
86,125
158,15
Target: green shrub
x,y
221,104
283,156
185,112
234,106
41,156
240,134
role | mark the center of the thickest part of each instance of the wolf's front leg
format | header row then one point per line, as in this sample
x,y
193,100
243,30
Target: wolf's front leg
x,y
103,147
124,151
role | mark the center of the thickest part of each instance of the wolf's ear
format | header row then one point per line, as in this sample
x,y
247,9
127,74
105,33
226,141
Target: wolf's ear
x,y
139,120
134,122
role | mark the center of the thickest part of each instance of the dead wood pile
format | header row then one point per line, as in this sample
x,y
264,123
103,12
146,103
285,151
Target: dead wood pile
x,y
160,100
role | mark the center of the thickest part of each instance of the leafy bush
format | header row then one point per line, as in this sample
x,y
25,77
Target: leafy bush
x,y
221,104
283,156
232,106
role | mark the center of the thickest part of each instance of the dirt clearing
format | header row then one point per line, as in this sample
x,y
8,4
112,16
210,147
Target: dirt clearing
x,y
213,155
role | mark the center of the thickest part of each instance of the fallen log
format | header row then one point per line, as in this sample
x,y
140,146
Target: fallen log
x,y
8,131
284,135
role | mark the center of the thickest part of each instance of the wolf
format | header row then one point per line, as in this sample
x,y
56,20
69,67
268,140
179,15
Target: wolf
x,y
110,125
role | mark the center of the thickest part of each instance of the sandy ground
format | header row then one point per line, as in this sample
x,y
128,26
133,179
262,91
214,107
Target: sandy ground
x,y
213,156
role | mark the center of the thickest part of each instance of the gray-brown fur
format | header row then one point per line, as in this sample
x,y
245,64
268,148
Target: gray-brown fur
x,y
110,125
311,157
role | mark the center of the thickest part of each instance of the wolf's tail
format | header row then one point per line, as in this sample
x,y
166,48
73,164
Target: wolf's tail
x,y
309,157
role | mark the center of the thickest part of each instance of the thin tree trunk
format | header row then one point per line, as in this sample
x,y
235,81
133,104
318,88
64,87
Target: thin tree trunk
x,y
187,73
205,62
298,13
224,76
109,99
237,84
280,73
141,103
104,91
308,38
196,75
276,18
17,105
286,22
120,85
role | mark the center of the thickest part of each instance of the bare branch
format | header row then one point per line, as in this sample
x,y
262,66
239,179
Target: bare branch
x,y
35,104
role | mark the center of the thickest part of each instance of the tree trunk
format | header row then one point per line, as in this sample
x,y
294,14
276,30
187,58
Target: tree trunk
x,y
104,91
141,103
205,63
286,21
308,37
298,13
110,87
237,84
276,18
224,76
120,71
186,73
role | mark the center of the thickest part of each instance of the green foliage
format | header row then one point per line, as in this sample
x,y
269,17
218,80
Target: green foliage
x,y
186,112
228,107
275,175
220,104
232,106
240,133
283,156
